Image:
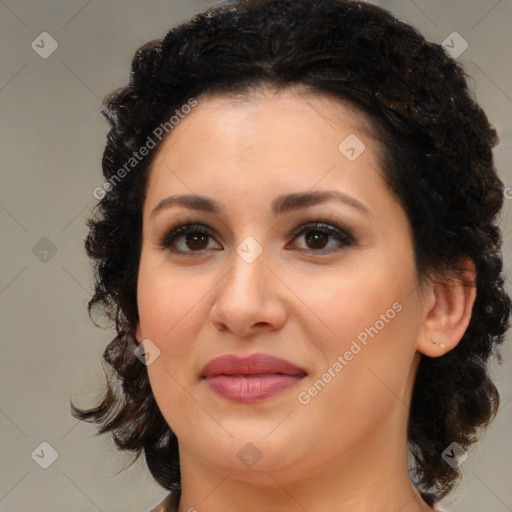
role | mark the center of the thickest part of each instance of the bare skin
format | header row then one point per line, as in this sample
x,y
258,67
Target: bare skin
x,y
343,447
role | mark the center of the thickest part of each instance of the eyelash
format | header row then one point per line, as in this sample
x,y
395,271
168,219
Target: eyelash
x,y
319,226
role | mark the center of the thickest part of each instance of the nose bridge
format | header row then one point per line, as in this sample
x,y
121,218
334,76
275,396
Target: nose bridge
x,y
247,296
247,269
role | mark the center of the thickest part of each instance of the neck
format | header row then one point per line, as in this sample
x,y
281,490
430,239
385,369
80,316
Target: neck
x,y
371,476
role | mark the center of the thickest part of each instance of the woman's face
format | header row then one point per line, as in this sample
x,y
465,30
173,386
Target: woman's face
x,y
338,302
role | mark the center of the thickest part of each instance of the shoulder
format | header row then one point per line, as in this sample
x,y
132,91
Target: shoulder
x,y
168,504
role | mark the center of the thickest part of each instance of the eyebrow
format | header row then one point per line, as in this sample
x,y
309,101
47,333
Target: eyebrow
x,y
281,204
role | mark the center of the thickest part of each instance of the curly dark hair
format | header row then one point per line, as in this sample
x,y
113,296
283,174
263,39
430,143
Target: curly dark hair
x,y
437,160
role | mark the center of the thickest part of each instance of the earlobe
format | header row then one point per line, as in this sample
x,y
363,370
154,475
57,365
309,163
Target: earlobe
x,y
447,312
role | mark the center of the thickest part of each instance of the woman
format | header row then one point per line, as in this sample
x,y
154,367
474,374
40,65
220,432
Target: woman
x,y
297,243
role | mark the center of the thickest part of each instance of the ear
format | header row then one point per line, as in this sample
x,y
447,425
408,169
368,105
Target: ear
x,y
447,311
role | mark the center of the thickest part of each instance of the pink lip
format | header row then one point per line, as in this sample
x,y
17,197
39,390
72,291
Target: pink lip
x,y
252,378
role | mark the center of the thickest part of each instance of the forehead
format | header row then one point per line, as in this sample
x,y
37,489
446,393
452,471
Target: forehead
x,y
300,98
267,143
291,122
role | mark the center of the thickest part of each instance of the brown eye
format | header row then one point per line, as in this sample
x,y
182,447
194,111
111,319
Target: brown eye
x,y
317,236
196,240
317,239
189,238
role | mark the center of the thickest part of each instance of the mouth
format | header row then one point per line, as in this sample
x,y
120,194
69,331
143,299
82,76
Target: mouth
x,y
252,378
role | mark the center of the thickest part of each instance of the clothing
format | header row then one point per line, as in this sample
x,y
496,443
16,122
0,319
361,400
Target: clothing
x,y
169,504
171,501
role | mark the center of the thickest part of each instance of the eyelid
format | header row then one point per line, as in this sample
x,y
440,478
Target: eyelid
x,y
322,225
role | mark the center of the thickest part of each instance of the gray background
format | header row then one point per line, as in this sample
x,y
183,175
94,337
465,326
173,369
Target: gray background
x,y
52,138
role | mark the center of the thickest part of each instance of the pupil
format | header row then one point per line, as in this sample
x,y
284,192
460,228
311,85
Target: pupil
x,y
318,239
192,240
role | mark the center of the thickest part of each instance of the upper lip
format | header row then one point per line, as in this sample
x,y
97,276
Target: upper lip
x,y
254,364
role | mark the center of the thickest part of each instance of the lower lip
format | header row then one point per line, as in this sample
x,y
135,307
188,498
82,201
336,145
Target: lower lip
x,y
251,388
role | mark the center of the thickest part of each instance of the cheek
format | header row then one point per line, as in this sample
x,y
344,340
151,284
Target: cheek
x,y
369,385
345,301
168,297
369,318
169,310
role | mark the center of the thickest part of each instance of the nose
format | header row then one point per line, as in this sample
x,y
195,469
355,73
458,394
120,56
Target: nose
x,y
249,298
